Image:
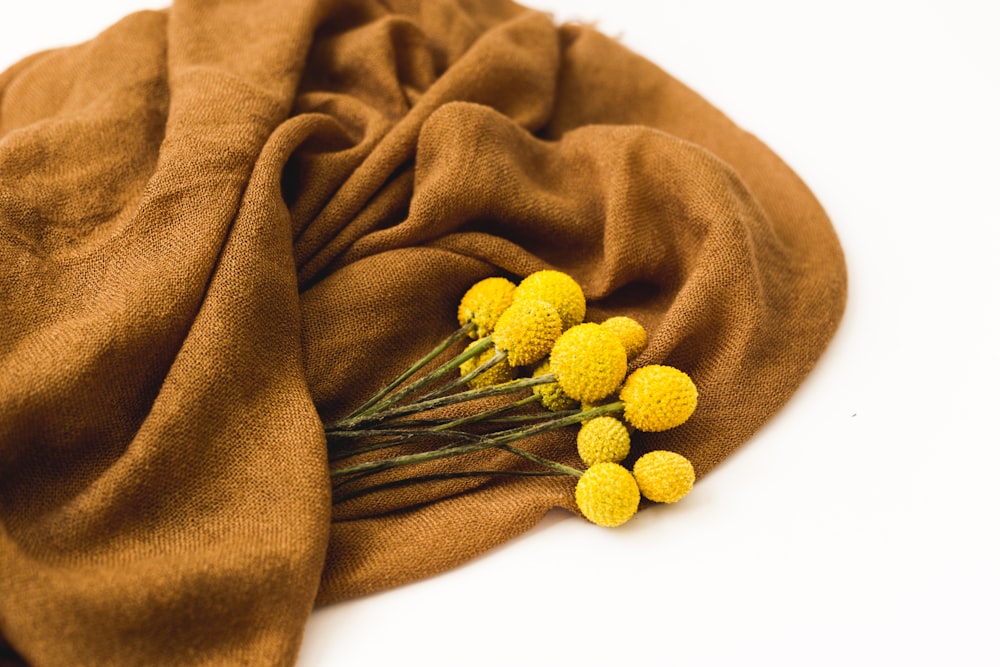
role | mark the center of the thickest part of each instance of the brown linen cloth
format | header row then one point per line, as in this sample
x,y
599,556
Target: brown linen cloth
x,y
226,221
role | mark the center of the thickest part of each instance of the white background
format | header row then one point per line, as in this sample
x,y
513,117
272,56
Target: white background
x,y
859,527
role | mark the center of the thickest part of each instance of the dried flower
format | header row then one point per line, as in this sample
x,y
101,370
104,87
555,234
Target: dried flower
x,y
602,439
630,333
558,289
589,362
526,331
657,398
586,366
607,494
664,477
553,397
483,304
496,374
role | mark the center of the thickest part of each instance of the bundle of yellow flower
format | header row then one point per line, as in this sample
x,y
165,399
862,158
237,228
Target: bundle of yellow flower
x,y
577,369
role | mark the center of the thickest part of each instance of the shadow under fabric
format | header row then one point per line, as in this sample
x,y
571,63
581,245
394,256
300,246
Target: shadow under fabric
x,y
224,222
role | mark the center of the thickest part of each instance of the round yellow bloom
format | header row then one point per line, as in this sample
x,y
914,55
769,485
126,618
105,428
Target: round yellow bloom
x,y
658,397
602,439
664,477
496,374
526,331
553,397
589,362
630,333
607,494
558,289
483,304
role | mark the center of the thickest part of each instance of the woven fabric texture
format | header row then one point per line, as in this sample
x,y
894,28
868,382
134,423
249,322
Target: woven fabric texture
x,y
225,222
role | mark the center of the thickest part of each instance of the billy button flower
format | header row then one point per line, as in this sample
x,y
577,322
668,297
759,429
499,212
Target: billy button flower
x,y
589,362
483,303
664,477
551,394
526,331
559,290
629,333
495,373
657,398
602,439
607,494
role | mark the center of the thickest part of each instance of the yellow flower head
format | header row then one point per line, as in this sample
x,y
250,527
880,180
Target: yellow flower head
x,y
607,494
664,477
589,362
553,397
630,333
602,439
658,397
526,331
496,374
558,289
484,303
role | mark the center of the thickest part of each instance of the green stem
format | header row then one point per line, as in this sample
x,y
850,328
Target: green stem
x,y
533,417
502,439
499,356
442,401
439,428
402,433
487,416
555,465
457,335
484,416
383,406
402,438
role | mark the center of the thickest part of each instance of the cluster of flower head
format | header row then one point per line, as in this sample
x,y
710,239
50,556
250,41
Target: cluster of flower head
x,y
539,326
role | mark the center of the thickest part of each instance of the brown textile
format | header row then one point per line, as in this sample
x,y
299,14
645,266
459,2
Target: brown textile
x,y
224,222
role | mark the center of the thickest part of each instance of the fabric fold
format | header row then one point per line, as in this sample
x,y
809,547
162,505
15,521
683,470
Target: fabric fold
x,y
223,223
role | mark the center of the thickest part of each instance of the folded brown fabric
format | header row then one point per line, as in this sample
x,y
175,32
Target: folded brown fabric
x,y
226,222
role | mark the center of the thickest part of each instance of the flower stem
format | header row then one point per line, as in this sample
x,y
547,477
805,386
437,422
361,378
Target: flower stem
x,y
402,433
457,335
533,417
468,377
504,438
485,416
385,404
439,428
488,416
555,465
440,402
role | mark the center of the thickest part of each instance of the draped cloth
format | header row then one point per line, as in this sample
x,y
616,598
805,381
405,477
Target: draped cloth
x,y
225,222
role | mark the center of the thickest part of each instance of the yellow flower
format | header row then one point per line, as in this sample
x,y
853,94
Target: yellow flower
x,y
664,477
558,289
553,397
588,362
602,439
496,374
658,397
483,304
630,333
526,331
607,494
